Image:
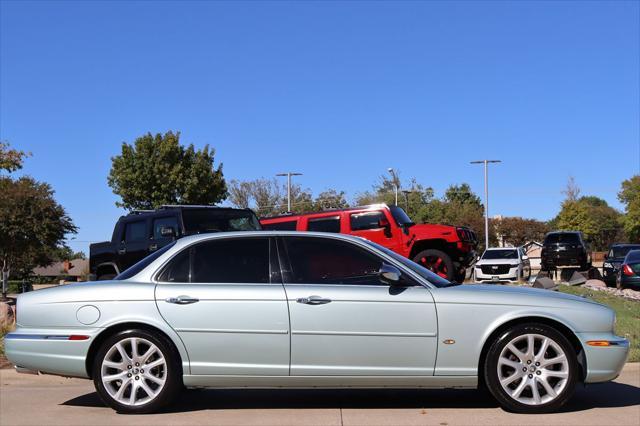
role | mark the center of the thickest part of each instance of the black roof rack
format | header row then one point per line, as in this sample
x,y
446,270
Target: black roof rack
x,y
346,209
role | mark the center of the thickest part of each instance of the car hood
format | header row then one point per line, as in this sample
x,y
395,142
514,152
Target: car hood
x,y
507,295
497,262
423,229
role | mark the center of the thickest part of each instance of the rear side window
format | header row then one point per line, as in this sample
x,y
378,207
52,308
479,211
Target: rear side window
x,y
324,224
135,231
164,222
243,260
289,225
363,221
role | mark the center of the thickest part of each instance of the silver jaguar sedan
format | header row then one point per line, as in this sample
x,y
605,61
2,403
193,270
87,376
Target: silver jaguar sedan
x,y
307,310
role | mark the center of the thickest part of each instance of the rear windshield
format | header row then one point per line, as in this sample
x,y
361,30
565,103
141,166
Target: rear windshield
x,y
136,268
633,257
198,221
570,238
621,251
500,254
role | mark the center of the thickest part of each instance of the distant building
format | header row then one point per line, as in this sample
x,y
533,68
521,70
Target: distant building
x,y
68,270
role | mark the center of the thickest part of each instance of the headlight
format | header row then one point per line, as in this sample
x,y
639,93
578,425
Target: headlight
x,y
607,265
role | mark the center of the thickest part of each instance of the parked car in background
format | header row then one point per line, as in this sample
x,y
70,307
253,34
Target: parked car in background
x,y
503,265
443,249
140,233
565,249
629,271
612,261
309,310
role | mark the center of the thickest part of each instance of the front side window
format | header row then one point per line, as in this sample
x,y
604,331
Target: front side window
x,y
364,221
243,260
202,220
327,261
324,224
135,231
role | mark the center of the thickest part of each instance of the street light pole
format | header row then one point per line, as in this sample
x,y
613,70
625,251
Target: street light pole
x,y
395,181
486,197
288,175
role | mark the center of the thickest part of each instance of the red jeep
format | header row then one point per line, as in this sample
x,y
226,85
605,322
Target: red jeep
x,y
446,250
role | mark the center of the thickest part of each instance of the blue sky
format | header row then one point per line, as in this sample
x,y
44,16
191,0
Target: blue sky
x,y
337,90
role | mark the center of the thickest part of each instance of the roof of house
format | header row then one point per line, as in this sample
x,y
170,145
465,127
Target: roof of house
x,y
78,267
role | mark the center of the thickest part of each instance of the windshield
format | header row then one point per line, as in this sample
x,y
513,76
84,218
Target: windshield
x,y
621,251
568,237
198,221
434,279
400,216
500,254
136,268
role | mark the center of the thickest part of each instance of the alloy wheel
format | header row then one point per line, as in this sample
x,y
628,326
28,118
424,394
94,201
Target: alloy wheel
x,y
533,369
134,371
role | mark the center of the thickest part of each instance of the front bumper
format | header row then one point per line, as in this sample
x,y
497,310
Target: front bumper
x,y
511,276
49,351
604,363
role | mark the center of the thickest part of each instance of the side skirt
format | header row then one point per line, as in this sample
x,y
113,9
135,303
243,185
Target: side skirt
x,y
302,382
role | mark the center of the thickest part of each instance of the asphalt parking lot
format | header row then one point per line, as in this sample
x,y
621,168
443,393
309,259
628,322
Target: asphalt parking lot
x,y
50,400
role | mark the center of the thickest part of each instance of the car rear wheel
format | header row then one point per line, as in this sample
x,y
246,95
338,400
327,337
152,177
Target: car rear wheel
x,y
136,372
531,368
437,262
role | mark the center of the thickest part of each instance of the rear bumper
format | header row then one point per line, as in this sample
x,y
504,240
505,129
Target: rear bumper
x,y
49,351
604,363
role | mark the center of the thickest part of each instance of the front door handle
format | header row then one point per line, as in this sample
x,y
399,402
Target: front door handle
x,y
122,251
313,300
182,300
153,247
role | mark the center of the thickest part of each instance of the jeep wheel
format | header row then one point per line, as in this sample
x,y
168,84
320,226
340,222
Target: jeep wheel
x,y
436,261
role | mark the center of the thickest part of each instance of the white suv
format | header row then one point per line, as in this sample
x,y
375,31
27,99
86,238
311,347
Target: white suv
x,y
502,265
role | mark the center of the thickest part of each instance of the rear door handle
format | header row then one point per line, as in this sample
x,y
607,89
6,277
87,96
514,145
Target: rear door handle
x,y
153,247
182,300
313,300
122,251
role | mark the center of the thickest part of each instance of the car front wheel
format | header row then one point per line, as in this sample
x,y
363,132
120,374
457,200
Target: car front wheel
x,y
531,368
136,372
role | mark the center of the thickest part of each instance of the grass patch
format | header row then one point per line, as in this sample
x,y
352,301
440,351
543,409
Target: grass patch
x,y
627,312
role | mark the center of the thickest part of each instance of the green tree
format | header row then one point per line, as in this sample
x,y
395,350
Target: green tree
x,y
599,222
330,199
157,170
32,225
629,195
11,159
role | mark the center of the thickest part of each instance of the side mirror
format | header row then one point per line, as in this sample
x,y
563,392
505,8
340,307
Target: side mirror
x,y
167,232
389,274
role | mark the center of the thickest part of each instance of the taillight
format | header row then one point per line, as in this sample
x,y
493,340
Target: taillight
x,y
626,269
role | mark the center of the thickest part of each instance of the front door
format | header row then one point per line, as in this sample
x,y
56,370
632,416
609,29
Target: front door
x,y
377,227
345,321
230,311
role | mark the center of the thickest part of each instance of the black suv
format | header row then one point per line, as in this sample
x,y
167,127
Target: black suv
x,y
142,232
613,260
565,249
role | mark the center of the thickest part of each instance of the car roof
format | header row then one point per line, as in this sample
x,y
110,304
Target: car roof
x,y
327,211
625,245
564,232
244,234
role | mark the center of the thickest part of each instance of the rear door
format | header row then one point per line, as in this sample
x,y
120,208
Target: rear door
x,y
225,300
345,321
135,243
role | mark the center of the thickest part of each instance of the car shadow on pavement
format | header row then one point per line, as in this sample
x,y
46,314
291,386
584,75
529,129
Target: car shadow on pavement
x,y
594,396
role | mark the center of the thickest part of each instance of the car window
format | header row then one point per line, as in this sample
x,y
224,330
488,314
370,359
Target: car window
x,y
568,237
243,260
136,268
324,224
327,261
164,222
135,231
500,254
367,220
202,220
621,251
289,225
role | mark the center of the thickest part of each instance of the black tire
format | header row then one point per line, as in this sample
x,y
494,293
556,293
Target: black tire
x,y
445,261
490,369
106,277
173,377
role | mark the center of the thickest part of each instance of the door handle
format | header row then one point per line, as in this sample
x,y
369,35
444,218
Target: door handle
x,y
313,300
182,300
122,251
153,247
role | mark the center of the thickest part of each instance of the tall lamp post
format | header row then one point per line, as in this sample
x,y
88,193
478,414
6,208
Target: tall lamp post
x,y
486,197
288,175
395,181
